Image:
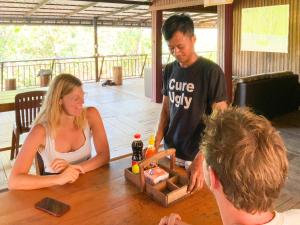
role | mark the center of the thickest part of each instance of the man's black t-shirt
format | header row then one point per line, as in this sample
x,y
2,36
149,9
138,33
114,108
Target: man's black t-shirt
x,y
191,92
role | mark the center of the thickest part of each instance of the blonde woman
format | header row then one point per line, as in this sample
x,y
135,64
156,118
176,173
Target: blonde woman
x,y
61,134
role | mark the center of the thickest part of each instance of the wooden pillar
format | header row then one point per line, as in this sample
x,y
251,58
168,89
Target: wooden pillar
x,y
2,76
228,32
156,56
96,55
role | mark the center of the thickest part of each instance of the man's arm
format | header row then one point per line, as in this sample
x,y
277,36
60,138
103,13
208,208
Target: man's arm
x,y
195,170
163,121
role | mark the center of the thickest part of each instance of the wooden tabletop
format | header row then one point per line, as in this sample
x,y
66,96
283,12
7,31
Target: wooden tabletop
x,y
104,197
7,98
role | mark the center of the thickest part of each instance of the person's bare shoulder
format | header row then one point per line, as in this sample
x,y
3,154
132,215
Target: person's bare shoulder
x,y
37,134
92,114
38,130
91,111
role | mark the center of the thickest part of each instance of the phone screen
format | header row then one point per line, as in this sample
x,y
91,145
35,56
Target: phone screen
x,y
52,206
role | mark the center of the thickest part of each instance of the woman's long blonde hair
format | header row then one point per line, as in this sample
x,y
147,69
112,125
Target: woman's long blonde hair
x,y
51,110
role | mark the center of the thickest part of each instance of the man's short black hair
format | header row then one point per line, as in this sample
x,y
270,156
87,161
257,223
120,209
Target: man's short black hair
x,y
182,23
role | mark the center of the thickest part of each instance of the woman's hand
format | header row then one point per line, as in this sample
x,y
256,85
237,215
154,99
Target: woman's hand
x,y
59,165
78,167
69,175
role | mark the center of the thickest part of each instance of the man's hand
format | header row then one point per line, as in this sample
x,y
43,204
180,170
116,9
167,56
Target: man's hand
x,y
157,143
196,174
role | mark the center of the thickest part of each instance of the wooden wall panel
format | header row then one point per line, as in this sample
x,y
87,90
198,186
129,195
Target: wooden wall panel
x,y
221,36
248,63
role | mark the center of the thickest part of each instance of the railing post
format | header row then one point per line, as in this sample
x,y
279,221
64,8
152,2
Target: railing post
x,y
101,67
51,67
143,67
96,48
2,78
96,68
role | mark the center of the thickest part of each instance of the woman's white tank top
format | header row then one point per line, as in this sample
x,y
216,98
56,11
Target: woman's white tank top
x,y
49,153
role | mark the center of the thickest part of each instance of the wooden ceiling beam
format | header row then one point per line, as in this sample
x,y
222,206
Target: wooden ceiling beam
x,y
204,19
39,5
119,10
198,8
127,2
70,22
135,15
81,9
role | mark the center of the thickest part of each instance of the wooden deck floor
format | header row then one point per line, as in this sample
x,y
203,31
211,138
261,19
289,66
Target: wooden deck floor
x,y
126,111
289,127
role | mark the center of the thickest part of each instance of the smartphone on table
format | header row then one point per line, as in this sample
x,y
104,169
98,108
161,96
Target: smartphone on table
x,y
52,206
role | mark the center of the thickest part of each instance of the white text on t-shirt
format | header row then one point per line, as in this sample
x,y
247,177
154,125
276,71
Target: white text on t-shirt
x,y
182,87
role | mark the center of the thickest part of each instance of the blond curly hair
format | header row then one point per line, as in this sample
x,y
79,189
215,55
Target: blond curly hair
x,y
248,156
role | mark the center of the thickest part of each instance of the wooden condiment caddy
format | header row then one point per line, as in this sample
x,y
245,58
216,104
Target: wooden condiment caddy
x,y
165,192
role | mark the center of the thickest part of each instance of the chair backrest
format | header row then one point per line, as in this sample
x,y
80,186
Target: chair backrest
x,y
39,165
27,106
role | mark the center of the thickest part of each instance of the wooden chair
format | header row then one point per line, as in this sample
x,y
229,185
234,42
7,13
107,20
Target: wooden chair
x,y
27,106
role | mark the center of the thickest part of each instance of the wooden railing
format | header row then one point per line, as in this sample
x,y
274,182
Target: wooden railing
x,y
25,72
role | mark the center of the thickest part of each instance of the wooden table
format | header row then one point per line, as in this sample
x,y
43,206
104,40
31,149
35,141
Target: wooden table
x,y
104,197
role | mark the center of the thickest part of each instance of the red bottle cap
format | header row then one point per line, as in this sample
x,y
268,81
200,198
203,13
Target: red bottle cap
x,y
137,136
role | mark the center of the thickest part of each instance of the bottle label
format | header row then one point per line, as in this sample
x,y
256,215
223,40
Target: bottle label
x,y
135,167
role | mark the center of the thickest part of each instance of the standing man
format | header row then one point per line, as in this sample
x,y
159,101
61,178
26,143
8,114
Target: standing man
x,y
192,87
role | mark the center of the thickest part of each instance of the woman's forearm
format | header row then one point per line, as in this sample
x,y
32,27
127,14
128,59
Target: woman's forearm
x,y
95,162
29,182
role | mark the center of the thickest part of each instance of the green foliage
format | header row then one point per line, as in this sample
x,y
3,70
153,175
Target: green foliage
x,y
124,41
31,42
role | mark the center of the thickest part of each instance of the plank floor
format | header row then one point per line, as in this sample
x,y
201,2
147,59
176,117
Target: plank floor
x,y
125,111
